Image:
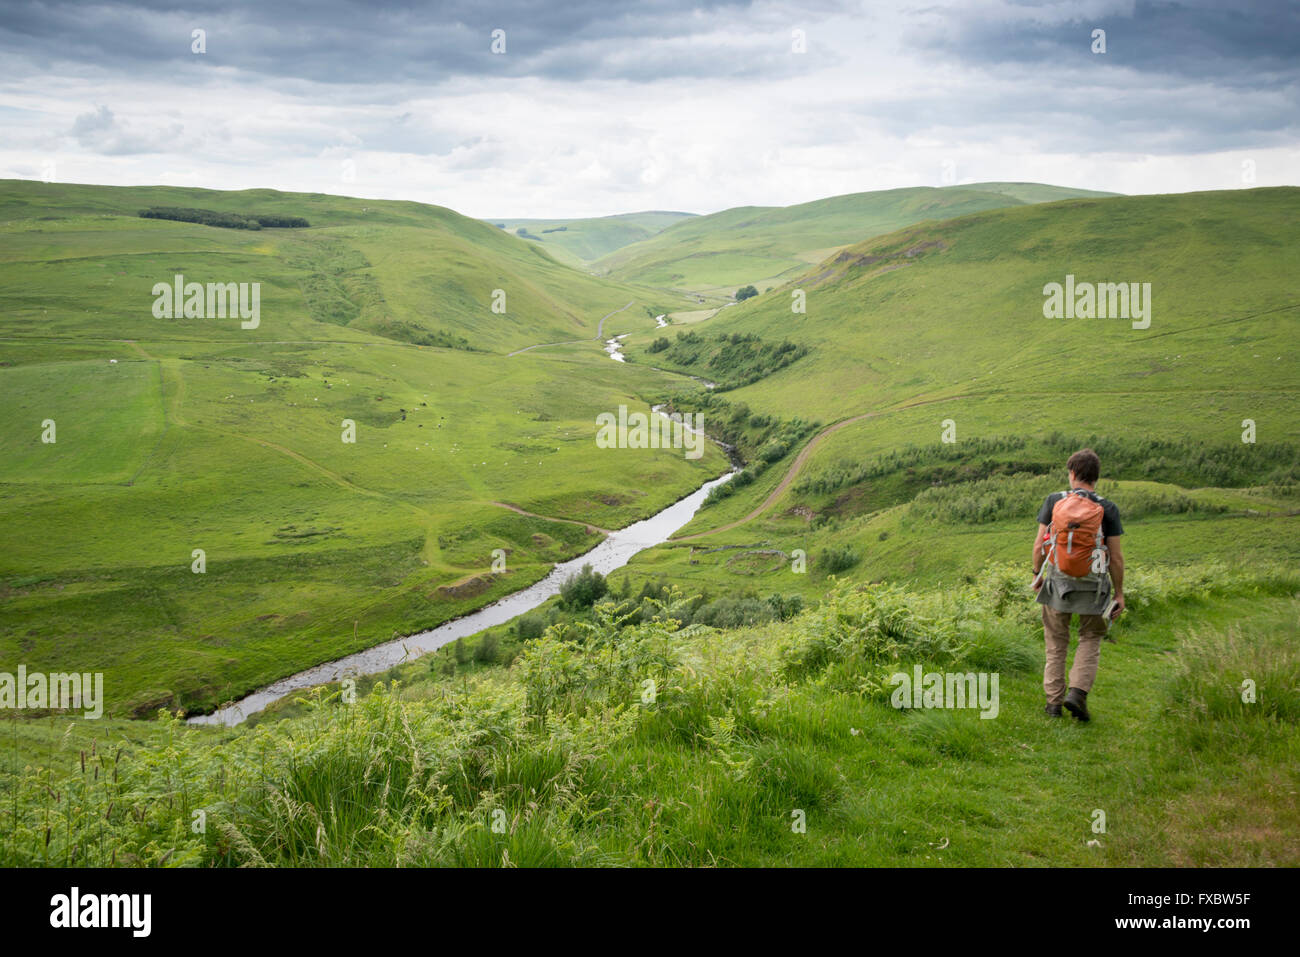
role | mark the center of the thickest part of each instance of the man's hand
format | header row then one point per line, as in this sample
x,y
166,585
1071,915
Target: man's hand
x,y
1119,604
1040,551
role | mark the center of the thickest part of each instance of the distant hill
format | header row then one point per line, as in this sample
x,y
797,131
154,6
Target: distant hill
x,y
340,462
765,245
956,307
406,271
580,241
951,402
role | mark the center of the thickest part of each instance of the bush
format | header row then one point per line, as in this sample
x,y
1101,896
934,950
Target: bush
x,y
282,222
732,359
530,626
583,589
837,558
742,478
861,626
485,653
1175,462
785,607
745,292
735,425
733,613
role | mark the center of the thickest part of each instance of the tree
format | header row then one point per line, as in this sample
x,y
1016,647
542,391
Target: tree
x,y
745,292
530,626
583,589
485,653
836,559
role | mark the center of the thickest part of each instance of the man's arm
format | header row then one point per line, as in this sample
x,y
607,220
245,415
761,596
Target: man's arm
x,y
1116,568
1039,554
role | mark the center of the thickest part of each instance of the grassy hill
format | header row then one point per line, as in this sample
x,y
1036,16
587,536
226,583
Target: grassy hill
x,y
766,245
580,241
940,329
736,680
180,434
403,271
777,745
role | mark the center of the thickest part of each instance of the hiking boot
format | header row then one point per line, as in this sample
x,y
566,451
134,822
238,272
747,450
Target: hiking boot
x,y
1076,702
1052,710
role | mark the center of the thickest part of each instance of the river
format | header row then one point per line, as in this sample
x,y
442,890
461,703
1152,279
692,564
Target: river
x,y
614,552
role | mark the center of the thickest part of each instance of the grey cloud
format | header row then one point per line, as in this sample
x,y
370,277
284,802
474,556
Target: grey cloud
x,y
100,131
1246,43
355,41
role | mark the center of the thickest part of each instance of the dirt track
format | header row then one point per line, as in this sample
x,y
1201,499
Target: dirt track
x,y
797,464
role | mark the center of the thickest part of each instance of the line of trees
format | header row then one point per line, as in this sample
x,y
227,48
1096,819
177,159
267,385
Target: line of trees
x,y
212,217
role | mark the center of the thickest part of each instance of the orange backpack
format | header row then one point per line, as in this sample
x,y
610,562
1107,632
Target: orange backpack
x,y
1076,545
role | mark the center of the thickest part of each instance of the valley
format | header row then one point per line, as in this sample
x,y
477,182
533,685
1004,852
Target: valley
x,y
367,516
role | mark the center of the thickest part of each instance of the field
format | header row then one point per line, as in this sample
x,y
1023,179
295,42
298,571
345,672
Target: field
x,y
728,700
767,245
582,241
768,746
180,434
900,346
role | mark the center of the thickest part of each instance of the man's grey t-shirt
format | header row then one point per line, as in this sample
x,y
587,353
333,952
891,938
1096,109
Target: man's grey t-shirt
x,y
1056,592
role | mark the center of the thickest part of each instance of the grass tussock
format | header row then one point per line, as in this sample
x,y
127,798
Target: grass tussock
x,y
630,741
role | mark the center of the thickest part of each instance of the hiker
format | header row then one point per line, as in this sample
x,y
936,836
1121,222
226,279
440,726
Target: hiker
x,y
1077,557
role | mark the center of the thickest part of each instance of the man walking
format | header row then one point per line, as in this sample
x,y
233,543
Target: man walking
x,y
1077,558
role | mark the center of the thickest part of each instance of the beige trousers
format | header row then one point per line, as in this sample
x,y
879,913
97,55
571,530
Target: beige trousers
x,y
1056,634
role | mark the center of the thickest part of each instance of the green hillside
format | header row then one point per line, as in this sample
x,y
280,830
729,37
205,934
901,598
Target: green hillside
x,y
176,434
726,699
579,241
940,329
403,271
770,746
765,245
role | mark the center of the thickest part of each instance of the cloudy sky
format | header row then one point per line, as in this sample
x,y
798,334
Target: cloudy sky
x,y
595,107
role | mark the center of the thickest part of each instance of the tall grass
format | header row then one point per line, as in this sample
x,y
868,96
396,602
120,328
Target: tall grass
x,y
622,739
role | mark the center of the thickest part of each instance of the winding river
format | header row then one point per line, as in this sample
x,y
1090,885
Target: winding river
x,y
614,552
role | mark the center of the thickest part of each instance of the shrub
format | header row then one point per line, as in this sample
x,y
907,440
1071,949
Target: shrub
x,y
837,558
732,359
282,222
583,589
485,652
863,626
733,613
530,626
785,607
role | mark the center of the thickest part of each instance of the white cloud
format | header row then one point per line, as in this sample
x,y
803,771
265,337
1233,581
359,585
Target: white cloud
x,y
880,100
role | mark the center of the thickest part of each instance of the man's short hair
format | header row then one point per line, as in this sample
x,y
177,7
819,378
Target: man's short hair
x,y
1085,465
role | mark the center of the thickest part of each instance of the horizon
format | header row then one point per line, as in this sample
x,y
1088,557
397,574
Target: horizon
x,y
578,113
650,210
